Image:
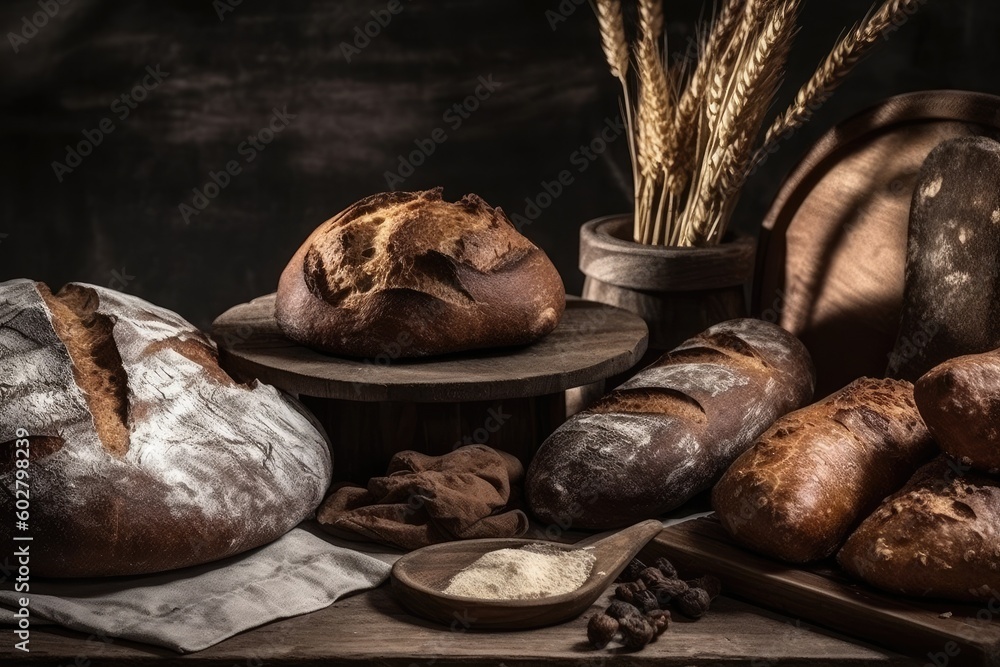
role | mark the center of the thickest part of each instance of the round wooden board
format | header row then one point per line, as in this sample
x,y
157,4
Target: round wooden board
x,y
832,254
591,343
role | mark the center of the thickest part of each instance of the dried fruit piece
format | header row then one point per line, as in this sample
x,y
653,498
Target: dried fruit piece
x,y
601,629
669,589
659,619
646,601
636,631
710,584
632,570
666,567
651,576
694,603
627,592
620,609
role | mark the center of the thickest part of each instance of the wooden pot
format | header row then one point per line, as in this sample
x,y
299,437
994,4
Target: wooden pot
x,y
679,292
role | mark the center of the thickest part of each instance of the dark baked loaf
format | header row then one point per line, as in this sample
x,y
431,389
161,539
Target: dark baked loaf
x,y
797,493
408,274
144,454
960,401
951,302
938,537
670,431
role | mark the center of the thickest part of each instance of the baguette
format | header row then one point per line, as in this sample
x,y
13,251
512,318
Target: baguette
x,y
669,432
798,492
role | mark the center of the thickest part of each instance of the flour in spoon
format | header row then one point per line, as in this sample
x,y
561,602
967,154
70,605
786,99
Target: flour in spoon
x,y
533,571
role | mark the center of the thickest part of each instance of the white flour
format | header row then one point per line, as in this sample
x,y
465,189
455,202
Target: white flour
x,y
533,571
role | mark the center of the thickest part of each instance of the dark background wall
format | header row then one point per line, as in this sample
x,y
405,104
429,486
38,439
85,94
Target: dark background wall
x,y
115,218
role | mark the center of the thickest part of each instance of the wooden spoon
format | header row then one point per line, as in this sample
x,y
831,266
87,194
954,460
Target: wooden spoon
x,y
419,577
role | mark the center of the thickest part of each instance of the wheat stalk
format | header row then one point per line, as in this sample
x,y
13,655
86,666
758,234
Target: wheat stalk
x,y
613,41
837,65
691,131
654,115
752,82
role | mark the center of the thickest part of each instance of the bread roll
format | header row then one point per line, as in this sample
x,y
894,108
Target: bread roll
x,y
670,431
144,454
960,402
408,274
951,302
938,537
797,493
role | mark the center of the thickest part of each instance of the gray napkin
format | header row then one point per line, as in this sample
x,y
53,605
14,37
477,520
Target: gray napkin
x,y
196,607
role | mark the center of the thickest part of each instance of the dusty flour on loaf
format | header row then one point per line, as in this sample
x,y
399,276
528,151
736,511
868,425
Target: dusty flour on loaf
x,y
533,571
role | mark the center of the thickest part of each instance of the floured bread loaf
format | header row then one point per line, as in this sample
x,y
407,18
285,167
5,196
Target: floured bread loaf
x,y
938,537
409,275
672,430
951,304
144,454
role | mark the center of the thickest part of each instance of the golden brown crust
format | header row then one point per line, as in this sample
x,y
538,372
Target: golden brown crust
x,y
797,493
412,273
938,537
960,401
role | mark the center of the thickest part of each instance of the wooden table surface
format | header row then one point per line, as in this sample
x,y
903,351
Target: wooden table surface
x,y
372,629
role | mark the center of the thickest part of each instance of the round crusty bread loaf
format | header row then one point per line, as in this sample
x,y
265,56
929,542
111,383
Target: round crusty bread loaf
x,y
797,493
672,430
960,401
144,454
938,537
407,274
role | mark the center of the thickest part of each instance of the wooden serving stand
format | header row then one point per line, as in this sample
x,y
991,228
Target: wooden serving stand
x,y
509,399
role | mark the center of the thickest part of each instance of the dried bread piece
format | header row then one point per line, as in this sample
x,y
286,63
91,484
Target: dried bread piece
x,y
960,402
410,273
938,537
672,430
798,492
144,454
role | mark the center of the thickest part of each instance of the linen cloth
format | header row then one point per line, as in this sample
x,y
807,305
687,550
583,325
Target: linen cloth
x,y
193,608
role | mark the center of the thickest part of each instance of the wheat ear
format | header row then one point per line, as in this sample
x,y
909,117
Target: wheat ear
x,y
684,129
613,41
752,83
832,71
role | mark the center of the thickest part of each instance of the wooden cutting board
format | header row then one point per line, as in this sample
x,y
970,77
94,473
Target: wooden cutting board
x,y
822,594
832,253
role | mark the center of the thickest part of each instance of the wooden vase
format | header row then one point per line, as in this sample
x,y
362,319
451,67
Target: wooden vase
x,y
679,292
